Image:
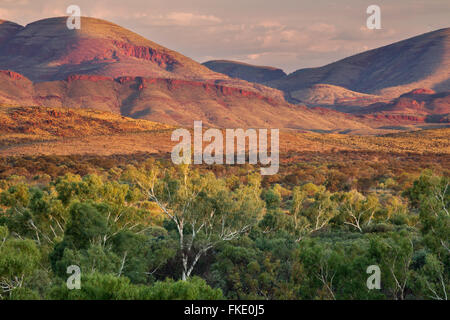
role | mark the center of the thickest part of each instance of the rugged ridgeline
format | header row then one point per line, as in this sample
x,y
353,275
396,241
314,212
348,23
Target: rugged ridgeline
x,y
248,72
172,101
419,62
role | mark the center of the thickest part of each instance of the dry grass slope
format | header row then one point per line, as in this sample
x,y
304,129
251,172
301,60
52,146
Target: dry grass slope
x,y
33,124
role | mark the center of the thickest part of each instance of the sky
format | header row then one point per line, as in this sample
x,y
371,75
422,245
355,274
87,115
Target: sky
x,y
289,34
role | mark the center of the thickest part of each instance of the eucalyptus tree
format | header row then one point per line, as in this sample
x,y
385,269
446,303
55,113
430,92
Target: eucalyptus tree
x,y
204,210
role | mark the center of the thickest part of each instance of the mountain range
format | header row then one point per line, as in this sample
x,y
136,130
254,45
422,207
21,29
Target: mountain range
x,y
109,68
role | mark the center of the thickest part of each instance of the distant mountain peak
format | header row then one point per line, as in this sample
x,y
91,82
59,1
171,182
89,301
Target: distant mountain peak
x,y
245,71
223,61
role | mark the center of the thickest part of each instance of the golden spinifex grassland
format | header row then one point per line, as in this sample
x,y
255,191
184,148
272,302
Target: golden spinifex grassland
x,y
100,198
65,131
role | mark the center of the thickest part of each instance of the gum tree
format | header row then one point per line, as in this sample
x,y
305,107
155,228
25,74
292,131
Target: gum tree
x,y
204,211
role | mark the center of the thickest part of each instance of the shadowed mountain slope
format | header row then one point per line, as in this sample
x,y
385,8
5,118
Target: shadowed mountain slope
x,y
419,62
248,72
46,50
106,67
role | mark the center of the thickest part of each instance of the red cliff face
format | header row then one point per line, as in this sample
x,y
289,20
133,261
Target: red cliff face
x,y
163,60
395,118
422,91
13,75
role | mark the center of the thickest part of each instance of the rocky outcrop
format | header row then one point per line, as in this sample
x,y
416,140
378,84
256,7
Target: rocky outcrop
x,y
163,60
8,29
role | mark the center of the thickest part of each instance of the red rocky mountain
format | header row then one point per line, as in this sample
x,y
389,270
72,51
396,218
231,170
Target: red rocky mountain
x,y
106,67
